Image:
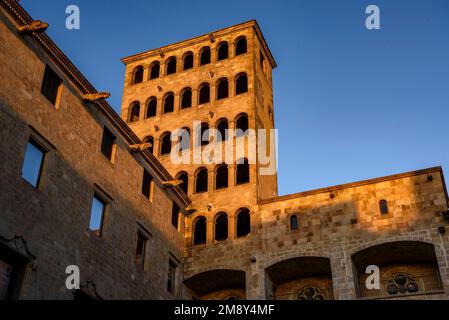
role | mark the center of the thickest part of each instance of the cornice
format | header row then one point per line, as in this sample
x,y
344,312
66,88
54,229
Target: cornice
x,y
191,41
358,184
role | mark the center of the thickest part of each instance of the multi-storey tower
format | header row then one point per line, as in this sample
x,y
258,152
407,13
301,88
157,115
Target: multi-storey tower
x,y
220,80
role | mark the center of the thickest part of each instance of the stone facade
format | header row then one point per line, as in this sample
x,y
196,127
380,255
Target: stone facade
x,y
311,245
333,223
53,218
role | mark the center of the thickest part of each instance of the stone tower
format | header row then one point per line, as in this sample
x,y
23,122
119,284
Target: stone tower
x,y
220,80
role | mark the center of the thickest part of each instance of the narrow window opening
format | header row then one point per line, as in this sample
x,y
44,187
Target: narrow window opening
x,y
147,183
221,227
188,61
151,108
243,223
33,161
222,89
97,216
169,103
51,85
205,56
108,143
204,94
201,181
223,51
171,66
241,46
199,233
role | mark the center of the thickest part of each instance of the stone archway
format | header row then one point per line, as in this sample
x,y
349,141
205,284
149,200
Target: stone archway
x,y
218,284
302,278
406,268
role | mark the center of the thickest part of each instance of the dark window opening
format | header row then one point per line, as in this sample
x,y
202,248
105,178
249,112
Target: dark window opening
x,y
107,144
243,223
97,215
151,108
240,46
140,251
221,227
150,140
155,71
205,56
186,99
184,139
32,163
146,184
171,279
242,172
175,215
222,128
201,181
138,75
184,177
383,206
12,269
169,103
221,180
204,94
241,84
223,89
166,144
50,85
241,125
223,51
134,113
294,222
204,134
188,61
262,60
199,233
171,66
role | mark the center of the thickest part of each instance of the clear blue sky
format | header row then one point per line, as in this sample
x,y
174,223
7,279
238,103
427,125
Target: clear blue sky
x,y
350,104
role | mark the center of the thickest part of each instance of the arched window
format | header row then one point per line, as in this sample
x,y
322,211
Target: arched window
x,y
151,107
222,51
188,61
240,46
171,65
169,102
134,112
165,143
186,98
242,172
243,223
241,84
221,226
201,181
221,176
155,70
294,222
138,75
204,134
204,96
199,231
222,127
204,56
184,139
241,125
222,89
383,207
149,139
184,177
